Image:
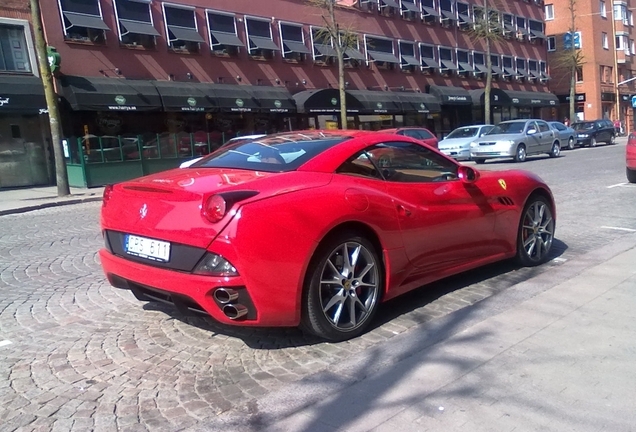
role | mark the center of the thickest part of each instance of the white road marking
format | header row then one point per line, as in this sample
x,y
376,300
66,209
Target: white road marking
x,y
5,343
619,228
559,260
616,185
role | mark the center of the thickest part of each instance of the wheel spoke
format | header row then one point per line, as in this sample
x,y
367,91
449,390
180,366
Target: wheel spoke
x,y
338,298
531,245
336,316
364,271
361,305
352,312
354,257
529,240
333,268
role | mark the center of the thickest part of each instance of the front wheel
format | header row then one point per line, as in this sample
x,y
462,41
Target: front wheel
x,y
593,142
556,150
612,139
536,232
520,155
345,283
631,175
479,160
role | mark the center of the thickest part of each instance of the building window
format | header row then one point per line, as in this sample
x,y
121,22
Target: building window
x,y
619,41
429,11
632,47
479,63
135,23
551,43
464,19
549,12
533,70
464,65
181,28
522,70
535,30
389,7
322,46
352,55
409,10
620,12
381,52
259,36
293,41
408,61
579,74
543,70
508,25
508,67
522,32
447,13
83,21
603,9
223,35
604,40
14,54
427,58
630,17
447,63
496,65
369,5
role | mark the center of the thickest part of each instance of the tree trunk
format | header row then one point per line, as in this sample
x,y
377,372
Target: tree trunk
x,y
341,87
51,100
573,94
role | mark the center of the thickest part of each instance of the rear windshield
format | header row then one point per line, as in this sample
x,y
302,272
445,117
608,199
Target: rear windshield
x,y
273,153
508,128
466,132
583,126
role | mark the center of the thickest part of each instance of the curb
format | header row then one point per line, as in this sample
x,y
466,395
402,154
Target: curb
x,y
29,208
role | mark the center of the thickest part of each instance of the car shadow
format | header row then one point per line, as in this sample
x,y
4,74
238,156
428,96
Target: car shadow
x,y
489,279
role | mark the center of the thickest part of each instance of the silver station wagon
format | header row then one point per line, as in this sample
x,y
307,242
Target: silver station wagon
x,y
516,139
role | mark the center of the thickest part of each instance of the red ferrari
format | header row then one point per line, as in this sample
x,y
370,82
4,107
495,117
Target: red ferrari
x,y
316,228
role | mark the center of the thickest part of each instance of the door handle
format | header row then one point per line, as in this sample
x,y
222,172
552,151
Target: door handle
x,y
403,211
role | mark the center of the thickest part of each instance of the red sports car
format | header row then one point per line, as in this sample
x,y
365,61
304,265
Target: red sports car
x,y
630,158
316,228
418,133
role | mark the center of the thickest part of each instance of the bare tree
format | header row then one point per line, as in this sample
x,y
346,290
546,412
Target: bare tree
x,y
51,100
342,37
487,29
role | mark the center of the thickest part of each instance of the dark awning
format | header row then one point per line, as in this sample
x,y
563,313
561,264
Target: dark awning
x,y
229,39
273,99
295,46
538,34
410,60
497,96
466,67
185,97
377,102
325,101
429,62
534,74
497,70
448,64
264,43
448,15
110,94
185,34
410,6
465,18
233,98
21,94
509,27
390,3
428,11
138,27
383,57
522,72
326,50
418,103
528,98
481,67
355,54
450,95
86,21
510,71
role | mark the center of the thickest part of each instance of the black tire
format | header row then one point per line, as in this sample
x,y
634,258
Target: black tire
x,y
612,139
479,160
536,232
555,151
325,321
631,175
570,143
593,142
520,154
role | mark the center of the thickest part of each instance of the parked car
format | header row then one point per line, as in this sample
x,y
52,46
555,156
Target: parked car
x,y
419,133
630,158
595,131
517,139
457,143
305,228
234,140
567,135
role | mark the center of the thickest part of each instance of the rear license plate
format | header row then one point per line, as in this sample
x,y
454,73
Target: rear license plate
x,y
143,247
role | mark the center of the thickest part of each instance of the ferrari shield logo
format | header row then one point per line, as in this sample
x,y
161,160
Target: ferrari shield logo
x,y
143,211
502,183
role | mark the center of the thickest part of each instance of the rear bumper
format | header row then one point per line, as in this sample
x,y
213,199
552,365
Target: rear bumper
x,y
190,293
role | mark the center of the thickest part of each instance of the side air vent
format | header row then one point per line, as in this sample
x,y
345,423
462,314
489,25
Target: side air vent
x,y
506,201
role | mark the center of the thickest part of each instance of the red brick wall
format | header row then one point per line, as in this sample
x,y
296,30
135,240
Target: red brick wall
x,y
18,9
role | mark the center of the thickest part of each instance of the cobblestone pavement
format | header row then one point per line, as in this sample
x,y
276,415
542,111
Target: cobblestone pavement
x,y
77,354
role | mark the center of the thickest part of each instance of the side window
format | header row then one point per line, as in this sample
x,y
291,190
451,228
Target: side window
x,y
543,127
412,133
360,165
411,163
485,130
424,134
531,125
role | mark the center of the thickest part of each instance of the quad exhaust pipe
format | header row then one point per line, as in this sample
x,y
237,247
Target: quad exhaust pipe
x,y
225,295
234,311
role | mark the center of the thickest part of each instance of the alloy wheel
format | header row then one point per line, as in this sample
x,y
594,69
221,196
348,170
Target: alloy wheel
x,y
571,144
521,153
349,286
537,231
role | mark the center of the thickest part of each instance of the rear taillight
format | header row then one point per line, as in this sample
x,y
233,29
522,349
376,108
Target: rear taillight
x,y
108,191
215,207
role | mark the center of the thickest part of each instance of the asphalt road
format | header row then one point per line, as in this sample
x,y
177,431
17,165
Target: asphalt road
x,y
77,354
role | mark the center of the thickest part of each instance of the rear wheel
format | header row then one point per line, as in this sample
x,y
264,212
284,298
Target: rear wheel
x,y
480,160
345,282
520,156
631,175
556,150
536,232
571,144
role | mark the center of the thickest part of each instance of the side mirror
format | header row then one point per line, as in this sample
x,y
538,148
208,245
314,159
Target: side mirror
x,y
467,174
531,131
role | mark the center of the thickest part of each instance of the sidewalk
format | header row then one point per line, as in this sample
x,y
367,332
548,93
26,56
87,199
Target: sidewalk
x,y
553,353
20,200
